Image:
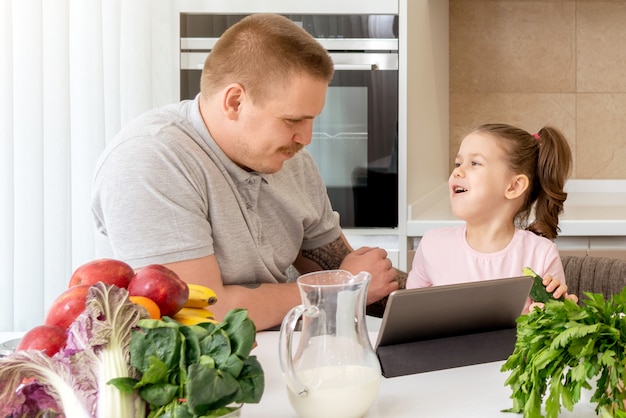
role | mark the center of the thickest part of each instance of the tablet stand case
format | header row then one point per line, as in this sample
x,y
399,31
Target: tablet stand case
x,y
446,353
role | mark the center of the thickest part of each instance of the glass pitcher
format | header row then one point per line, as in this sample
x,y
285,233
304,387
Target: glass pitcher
x,y
334,371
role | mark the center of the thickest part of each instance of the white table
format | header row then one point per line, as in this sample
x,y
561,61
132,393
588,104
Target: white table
x,y
474,391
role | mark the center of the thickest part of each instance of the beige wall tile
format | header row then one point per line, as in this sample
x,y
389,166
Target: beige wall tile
x,y
526,111
512,47
601,131
600,41
577,51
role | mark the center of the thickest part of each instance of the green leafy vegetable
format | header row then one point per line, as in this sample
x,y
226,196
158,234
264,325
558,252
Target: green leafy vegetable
x,y
538,292
195,371
565,348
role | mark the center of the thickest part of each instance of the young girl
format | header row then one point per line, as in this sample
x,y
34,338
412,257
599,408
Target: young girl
x,y
500,173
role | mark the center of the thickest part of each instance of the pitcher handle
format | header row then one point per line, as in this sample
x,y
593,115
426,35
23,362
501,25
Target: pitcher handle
x,y
285,343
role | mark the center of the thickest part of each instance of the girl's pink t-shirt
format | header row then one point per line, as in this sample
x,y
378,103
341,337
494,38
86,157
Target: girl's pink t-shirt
x,y
444,257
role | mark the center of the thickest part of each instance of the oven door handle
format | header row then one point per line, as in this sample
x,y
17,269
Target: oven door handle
x,y
367,61
357,67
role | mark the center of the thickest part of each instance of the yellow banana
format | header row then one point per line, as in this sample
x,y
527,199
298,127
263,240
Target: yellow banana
x,y
202,312
191,320
193,316
200,296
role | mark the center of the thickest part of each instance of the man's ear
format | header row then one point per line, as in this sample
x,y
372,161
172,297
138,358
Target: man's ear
x,y
519,184
233,96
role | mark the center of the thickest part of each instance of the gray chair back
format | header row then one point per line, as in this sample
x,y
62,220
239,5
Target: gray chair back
x,y
594,274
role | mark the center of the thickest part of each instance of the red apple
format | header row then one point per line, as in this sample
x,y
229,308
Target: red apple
x,y
162,285
106,270
47,338
67,306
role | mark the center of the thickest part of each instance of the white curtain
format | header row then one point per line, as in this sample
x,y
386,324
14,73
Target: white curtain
x,y
72,72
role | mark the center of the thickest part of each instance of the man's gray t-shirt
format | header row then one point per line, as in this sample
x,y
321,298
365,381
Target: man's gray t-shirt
x,y
165,192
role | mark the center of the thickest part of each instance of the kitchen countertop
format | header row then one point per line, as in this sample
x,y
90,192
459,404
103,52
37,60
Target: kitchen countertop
x,y
592,208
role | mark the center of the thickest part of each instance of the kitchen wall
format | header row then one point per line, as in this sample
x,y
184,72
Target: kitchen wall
x,y
532,63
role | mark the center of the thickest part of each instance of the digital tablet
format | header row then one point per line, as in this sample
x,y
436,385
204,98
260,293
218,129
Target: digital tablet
x,y
451,310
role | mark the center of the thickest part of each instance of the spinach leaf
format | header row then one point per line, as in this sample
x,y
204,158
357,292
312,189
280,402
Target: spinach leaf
x,y
241,331
159,394
191,349
172,410
163,343
251,381
232,365
217,346
209,388
157,372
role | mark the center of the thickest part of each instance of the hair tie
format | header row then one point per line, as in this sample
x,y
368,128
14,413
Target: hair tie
x,y
536,136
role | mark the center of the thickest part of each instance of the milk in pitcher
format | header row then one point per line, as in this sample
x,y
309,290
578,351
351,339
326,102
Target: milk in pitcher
x,y
337,391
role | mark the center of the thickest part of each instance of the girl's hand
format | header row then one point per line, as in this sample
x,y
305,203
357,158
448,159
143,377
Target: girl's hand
x,y
557,288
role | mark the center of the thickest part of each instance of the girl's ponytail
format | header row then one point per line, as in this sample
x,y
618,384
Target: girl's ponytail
x,y
553,168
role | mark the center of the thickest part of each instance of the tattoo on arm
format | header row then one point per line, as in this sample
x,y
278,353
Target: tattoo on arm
x,y
402,276
329,256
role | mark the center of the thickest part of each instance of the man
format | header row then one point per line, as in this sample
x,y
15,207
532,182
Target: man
x,y
220,189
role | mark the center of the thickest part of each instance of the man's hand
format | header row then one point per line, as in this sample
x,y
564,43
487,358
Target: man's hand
x,y
375,262
339,255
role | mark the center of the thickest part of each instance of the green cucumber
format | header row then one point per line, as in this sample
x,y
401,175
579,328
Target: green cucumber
x,y
538,292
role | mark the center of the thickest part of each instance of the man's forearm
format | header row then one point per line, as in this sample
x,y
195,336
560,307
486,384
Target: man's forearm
x,y
267,304
327,257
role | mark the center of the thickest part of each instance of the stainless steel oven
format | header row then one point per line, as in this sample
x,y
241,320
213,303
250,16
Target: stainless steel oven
x,y
355,138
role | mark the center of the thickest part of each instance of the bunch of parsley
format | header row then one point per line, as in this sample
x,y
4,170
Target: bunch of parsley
x,y
564,348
